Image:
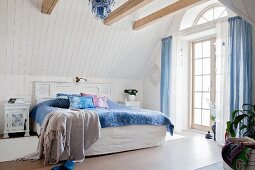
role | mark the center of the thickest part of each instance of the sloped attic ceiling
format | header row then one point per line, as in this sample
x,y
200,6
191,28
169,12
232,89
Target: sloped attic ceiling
x,y
244,8
71,41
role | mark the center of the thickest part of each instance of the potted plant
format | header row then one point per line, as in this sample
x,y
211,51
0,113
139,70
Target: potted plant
x,y
213,118
244,122
213,127
131,94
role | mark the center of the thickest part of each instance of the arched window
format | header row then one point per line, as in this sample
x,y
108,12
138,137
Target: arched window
x,y
210,14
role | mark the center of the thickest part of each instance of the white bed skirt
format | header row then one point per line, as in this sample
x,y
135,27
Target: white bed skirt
x,y
119,139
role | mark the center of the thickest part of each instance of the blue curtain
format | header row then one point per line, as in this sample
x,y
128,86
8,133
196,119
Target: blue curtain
x,y
240,41
166,55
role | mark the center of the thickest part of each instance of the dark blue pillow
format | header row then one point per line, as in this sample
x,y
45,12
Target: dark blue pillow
x,y
66,95
60,103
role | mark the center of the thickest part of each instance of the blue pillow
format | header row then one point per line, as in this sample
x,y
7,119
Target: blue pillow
x,y
61,103
81,102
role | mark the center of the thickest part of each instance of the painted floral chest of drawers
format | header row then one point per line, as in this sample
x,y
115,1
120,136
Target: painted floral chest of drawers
x,y
16,118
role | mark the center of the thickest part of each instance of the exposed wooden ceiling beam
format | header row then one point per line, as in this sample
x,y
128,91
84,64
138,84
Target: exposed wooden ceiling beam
x,y
171,9
48,6
124,10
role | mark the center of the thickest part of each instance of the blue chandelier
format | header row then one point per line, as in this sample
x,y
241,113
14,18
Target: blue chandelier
x,y
101,8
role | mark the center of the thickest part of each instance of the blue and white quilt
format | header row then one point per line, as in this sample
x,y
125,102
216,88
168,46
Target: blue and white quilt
x,y
118,115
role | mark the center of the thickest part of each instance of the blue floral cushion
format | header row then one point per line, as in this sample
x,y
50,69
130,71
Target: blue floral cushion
x,y
60,103
81,102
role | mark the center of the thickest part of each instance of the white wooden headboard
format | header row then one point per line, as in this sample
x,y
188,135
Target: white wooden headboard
x,y
48,90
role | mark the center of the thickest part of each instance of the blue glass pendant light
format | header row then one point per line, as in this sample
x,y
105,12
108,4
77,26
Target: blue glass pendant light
x,y
101,8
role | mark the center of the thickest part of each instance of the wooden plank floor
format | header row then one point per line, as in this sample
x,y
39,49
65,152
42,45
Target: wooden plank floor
x,y
189,153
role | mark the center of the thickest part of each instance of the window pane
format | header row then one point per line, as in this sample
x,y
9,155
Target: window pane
x,y
225,13
206,66
197,116
206,98
206,49
218,11
202,82
212,14
206,117
208,15
198,100
206,83
198,83
198,67
198,50
201,21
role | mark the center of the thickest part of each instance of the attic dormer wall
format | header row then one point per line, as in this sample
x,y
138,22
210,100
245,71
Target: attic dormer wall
x,y
152,89
151,80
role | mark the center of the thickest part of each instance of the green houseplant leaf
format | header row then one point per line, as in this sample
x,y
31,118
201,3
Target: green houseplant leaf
x,y
230,129
234,114
242,120
238,119
131,91
243,127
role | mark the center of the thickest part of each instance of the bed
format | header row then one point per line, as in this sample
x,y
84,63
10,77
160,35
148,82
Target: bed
x,y
123,128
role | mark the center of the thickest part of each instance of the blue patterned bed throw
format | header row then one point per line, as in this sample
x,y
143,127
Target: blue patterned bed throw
x,y
118,115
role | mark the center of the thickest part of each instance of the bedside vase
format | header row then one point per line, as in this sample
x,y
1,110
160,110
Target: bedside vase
x,y
214,130
131,97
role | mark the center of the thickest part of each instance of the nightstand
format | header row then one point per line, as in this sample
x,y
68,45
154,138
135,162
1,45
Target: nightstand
x,y
16,118
133,104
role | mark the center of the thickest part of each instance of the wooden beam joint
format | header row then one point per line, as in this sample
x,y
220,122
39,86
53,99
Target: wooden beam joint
x,y
48,6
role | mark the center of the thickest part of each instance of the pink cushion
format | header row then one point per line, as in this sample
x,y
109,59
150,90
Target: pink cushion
x,y
99,101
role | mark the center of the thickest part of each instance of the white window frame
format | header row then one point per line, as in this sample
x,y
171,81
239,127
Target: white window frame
x,y
205,10
213,81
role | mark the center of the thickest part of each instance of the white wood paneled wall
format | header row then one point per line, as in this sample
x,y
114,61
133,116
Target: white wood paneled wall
x,y
71,41
22,86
